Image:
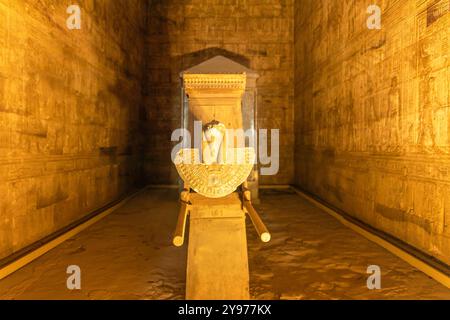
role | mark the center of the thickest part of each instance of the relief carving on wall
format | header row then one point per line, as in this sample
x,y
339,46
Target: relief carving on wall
x,y
375,118
433,76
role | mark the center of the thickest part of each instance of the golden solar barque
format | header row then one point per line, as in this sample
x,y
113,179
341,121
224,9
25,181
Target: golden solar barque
x,y
219,179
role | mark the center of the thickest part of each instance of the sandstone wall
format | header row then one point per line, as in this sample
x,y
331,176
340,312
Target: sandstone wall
x,y
69,112
183,33
372,114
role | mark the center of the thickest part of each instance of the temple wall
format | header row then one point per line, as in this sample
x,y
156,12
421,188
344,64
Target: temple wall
x,y
372,115
258,34
69,113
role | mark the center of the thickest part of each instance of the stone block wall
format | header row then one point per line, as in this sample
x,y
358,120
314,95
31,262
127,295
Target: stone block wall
x,y
372,116
70,110
183,33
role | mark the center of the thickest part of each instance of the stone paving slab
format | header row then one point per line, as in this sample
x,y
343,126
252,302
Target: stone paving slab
x,y
129,255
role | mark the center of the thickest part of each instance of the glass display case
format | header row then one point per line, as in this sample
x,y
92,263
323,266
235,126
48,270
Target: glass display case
x,y
234,117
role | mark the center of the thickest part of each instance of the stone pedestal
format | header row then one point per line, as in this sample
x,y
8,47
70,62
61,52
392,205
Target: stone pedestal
x,y
217,267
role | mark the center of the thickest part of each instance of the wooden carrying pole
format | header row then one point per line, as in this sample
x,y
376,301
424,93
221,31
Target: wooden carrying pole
x,y
254,216
178,237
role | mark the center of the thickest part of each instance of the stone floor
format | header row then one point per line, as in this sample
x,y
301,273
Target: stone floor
x,y
129,255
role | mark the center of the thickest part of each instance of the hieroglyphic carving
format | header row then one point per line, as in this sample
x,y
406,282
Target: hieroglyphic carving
x,y
217,81
382,99
215,180
350,120
393,124
433,110
436,10
373,117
